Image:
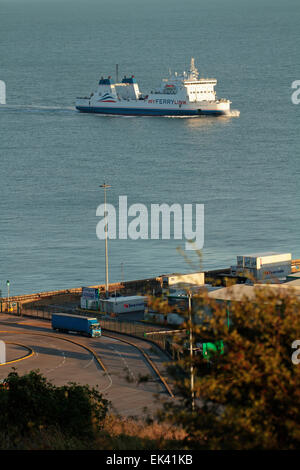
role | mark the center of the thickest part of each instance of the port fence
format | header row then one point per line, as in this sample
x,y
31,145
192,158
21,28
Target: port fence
x,y
150,333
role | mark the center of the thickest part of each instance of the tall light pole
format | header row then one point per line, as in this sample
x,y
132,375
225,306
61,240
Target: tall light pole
x,y
122,272
105,187
191,351
8,283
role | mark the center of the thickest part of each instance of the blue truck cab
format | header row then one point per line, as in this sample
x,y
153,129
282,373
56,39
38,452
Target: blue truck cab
x,y
86,326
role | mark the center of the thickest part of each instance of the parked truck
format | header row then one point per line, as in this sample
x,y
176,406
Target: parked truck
x,y
86,326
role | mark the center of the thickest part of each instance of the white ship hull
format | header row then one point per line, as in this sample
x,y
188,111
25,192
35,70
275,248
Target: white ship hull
x,y
148,109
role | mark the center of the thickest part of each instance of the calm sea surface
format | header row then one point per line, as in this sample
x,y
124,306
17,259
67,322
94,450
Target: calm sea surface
x,y
245,170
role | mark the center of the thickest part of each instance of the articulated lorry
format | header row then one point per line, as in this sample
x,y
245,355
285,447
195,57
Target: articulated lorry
x,y
86,326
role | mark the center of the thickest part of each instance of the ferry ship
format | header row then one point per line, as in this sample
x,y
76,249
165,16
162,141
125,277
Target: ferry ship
x,y
179,95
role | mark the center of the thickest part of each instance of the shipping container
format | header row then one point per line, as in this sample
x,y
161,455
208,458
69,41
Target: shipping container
x,y
122,304
258,260
183,279
275,271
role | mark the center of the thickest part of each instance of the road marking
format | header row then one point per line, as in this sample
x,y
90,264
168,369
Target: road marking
x,y
61,363
88,364
109,385
148,359
125,362
87,348
29,354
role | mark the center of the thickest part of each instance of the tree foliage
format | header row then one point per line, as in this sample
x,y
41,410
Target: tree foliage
x,y
30,402
248,397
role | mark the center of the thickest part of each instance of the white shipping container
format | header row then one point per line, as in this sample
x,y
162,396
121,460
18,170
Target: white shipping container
x,y
272,271
124,304
258,260
196,279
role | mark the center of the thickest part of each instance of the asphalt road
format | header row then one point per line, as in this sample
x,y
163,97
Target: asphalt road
x,y
63,361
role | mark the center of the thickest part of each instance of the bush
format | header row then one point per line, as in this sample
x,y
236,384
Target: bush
x,y
29,402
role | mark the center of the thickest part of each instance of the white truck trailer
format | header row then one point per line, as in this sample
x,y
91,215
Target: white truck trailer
x,y
123,304
264,266
179,281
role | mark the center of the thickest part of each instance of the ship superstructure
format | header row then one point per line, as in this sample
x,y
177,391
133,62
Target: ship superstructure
x,y
178,95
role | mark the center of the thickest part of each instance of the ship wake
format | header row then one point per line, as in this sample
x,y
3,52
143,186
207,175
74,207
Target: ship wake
x,y
233,113
36,108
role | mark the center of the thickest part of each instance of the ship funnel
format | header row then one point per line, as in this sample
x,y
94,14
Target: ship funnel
x,y
2,92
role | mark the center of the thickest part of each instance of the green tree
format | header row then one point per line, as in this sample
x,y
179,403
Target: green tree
x,y
248,397
30,402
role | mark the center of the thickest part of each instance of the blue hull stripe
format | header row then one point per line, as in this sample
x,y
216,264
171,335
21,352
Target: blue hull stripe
x,y
148,112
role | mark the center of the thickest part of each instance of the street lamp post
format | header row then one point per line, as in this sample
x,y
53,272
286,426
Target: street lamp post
x,y
191,352
105,187
8,283
122,272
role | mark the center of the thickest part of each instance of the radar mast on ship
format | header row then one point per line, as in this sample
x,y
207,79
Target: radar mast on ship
x,y
193,72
